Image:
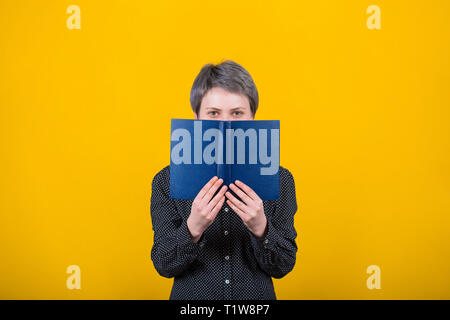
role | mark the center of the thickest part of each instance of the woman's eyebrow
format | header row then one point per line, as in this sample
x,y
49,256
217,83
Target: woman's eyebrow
x,y
214,108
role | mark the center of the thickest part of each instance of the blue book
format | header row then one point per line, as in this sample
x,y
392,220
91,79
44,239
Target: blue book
x,y
243,150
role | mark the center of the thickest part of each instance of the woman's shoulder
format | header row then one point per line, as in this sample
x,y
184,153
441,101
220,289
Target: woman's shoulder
x,y
162,176
286,177
284,172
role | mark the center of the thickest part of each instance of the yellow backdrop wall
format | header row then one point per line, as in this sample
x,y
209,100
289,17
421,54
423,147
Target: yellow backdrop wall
x,y
85,122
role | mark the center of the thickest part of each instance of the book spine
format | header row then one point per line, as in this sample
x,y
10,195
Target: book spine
x,y
220,165
229,166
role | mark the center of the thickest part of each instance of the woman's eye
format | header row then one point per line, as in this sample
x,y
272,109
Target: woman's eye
x,y
211,112
237,112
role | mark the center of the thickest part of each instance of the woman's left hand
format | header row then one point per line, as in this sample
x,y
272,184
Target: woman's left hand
x,y
251,211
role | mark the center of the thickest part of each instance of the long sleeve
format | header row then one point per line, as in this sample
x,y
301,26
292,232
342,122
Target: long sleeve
x,y
276,252
173,250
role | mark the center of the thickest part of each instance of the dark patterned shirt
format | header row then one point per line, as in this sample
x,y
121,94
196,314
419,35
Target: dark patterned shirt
x,y
228,262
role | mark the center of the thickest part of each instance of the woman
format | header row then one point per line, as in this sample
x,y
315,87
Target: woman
x,y
221,246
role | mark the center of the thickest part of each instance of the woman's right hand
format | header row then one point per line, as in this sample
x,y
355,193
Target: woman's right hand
x,y
204,209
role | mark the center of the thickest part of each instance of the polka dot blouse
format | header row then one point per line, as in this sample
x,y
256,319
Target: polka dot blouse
x,y
228,262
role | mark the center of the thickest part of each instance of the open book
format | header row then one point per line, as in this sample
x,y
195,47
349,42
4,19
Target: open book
x,y
248,151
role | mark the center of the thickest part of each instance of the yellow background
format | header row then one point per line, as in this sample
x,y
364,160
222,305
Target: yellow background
x,y
85,122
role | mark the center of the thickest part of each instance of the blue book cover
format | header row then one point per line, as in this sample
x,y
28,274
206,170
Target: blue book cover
x,y
245,150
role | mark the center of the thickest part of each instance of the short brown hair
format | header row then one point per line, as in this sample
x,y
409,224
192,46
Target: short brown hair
x,y
227,75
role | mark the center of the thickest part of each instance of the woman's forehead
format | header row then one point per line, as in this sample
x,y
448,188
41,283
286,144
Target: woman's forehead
x,y
220,98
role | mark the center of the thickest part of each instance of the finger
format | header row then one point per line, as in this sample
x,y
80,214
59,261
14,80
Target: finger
x,y
249,191
206,187
239,212
244,197
242,206
216,208
209,194
219,195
